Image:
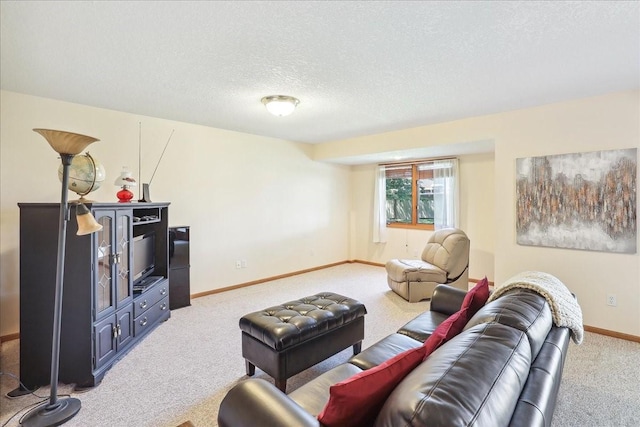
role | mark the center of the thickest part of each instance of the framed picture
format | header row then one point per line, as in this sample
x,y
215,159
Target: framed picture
x,y
578,201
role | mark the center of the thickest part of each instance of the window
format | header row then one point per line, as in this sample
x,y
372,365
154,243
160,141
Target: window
x,y
421,195
409,204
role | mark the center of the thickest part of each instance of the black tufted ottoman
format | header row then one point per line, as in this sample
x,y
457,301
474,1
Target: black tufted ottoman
x,y
289,338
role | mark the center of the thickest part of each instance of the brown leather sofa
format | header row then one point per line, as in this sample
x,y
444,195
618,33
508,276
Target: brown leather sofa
x,y
503,369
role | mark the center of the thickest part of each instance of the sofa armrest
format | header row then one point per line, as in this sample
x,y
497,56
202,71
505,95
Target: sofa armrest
x,y
257,402
447,299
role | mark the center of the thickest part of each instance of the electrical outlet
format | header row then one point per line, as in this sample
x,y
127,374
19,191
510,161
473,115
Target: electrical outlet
x,y
611,300
244,263
238,263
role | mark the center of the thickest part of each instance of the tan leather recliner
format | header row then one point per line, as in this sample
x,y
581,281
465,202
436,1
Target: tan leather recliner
x,y
445,259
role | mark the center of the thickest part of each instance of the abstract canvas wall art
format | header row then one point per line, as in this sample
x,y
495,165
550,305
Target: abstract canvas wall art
x,y
579,201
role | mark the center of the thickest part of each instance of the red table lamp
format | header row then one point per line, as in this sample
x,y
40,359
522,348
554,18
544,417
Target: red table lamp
x,y
125,180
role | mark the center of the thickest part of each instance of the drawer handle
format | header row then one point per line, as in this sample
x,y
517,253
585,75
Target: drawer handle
x,y
163,291
163,306
143,304
143,322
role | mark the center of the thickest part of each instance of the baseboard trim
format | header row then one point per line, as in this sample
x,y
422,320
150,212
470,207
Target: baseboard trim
x,y
268,279
359,261
9,337
614,334
477,280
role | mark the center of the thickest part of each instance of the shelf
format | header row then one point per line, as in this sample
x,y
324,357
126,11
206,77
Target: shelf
x,y
147,215
149,221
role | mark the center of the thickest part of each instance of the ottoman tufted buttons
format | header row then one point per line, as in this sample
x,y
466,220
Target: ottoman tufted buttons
x,y
286,339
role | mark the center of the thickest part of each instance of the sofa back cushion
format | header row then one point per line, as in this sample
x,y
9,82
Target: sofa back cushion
x,y
522,309
356,401
537,401
474,379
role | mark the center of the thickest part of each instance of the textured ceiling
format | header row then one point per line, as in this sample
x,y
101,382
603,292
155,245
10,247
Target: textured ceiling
x,y
358,68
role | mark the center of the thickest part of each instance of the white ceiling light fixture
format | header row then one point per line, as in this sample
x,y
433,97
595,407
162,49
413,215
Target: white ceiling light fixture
x,y
280,105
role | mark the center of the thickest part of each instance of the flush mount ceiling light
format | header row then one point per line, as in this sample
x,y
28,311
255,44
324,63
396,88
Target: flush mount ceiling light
x,y
280,105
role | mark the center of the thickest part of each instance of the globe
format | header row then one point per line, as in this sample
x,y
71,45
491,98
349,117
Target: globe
x,y
86,174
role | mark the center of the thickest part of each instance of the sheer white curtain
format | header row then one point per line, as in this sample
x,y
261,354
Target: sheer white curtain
x,y
446,196
380,207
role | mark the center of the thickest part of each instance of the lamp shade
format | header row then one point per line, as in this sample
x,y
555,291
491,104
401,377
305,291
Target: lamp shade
x,y
87,224
66,142
280,105
125,178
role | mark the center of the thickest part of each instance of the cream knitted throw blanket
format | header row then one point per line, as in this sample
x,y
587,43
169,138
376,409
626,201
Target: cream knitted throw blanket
x,y
564,306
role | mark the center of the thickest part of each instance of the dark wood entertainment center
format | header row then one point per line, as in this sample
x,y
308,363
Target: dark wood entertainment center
x,y
103,315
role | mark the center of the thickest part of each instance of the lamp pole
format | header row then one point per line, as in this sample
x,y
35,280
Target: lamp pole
x,y
57,411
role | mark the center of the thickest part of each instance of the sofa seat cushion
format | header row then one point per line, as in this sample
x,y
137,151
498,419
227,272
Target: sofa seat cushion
x,y
383,350
473,379
314,395
356,401
522,309
414,270
422,326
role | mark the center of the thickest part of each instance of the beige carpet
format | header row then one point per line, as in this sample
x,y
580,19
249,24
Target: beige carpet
x,y
182,370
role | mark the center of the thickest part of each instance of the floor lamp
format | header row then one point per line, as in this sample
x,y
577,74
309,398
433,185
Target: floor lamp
x,y
58,411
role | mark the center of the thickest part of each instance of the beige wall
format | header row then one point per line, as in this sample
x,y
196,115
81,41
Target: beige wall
x,y
600,123
245,196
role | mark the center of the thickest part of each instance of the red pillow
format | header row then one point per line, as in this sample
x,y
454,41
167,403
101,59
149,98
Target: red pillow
x,y
446,330
357,400
454,324
476,297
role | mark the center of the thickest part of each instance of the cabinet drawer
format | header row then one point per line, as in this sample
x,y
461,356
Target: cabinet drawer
x,y
151,316
150,297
